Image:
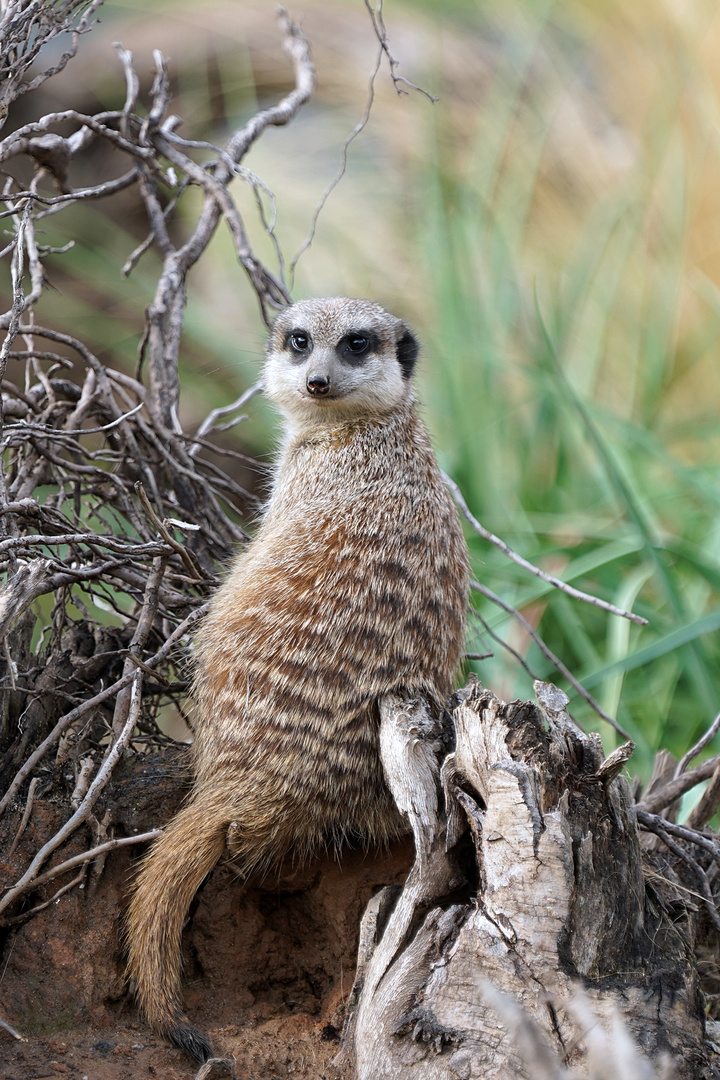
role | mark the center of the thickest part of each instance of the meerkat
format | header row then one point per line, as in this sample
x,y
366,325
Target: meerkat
x,y
354,587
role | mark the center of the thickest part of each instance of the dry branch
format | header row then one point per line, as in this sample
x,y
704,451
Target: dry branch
x,y
83,811
546,651
105,503
563,586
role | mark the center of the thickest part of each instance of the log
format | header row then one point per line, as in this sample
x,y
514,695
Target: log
x,y
527,886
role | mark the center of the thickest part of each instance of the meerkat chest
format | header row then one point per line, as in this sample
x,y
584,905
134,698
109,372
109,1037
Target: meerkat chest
x,y
368,482
359,567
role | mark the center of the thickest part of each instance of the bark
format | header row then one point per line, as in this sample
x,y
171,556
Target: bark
x,y
556,896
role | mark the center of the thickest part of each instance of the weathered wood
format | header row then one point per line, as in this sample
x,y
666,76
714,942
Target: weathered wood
x,y
559,900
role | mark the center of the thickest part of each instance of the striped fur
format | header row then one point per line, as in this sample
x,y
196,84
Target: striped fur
x,y
354,587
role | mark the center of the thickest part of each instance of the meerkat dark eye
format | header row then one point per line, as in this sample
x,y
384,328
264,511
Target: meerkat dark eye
x,y
299,342
355,346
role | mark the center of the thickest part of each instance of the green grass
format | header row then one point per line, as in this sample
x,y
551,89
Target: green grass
x,y
551,393
544,229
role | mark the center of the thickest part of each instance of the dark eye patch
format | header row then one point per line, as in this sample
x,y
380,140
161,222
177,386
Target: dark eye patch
x,y
299,342
356,346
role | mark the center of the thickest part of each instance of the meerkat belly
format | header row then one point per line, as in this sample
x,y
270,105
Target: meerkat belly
x,y
308,632
332,621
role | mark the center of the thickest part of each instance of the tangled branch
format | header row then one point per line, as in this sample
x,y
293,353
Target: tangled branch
x,y
26,27
112,517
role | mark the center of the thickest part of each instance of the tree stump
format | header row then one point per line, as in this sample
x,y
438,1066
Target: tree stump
x,y
531,883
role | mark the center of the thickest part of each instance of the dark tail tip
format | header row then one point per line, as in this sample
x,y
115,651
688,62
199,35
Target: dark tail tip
x,y
192,1041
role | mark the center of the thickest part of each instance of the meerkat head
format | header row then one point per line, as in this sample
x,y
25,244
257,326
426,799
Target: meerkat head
x,y
337,359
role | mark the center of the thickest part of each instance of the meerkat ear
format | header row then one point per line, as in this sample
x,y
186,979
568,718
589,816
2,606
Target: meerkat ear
x,y
407,352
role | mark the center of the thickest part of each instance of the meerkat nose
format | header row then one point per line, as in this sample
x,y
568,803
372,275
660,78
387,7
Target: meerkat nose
x,y
317,384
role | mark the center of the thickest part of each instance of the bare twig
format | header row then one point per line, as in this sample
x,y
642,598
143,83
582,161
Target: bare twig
x,y
663,829
660,797
11,1030
298,49
209,423
83,811
132,82
708,804
555,660
83,859
83,781
161,526
148,612
92,703
164,316
25,29
563,586
683,832
342,168
699,746
399,81
26,815
25,915
505,644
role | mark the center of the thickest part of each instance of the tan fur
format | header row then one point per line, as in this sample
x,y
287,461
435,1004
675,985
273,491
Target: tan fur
x,y
354,587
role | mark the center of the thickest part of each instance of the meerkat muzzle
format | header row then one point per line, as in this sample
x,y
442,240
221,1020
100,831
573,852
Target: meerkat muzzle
x,y
317,384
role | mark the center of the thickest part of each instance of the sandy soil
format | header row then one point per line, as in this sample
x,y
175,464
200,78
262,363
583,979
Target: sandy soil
x,y
267,969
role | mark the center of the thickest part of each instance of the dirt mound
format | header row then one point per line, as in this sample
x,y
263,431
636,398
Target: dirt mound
x,y
267,969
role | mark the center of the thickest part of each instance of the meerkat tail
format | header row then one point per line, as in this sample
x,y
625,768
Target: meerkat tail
x,y
174,870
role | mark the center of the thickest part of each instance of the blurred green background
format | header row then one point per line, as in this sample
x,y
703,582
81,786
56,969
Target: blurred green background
x,y
551,228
